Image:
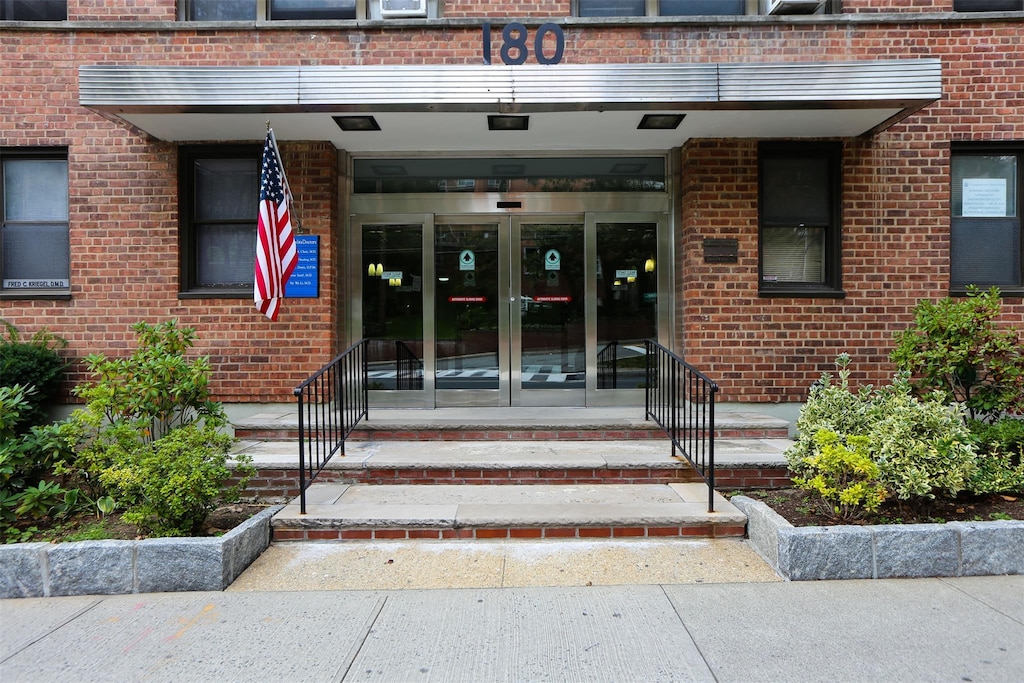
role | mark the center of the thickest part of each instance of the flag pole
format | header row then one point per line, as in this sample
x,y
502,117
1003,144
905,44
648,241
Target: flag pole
x,y
284,178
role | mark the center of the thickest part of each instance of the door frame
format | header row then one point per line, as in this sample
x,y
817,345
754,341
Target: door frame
x,y
591,396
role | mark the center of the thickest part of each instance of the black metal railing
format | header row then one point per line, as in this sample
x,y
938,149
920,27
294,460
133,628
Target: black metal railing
x,y
608,366
681,400
331,403
408,368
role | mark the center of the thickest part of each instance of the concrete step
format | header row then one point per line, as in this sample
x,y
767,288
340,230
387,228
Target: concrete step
x,y
493,424
342,512
738,463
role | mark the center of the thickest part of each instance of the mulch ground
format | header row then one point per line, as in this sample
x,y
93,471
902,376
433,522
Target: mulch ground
x,y
221,520
800,508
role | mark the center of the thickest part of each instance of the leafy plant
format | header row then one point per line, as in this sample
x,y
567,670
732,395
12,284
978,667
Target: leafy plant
x,y
920,447
34,364
156,389
1000,448
172,484
844,476
955,347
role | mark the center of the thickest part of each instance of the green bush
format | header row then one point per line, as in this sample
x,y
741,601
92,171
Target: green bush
x,y
156,389
26,459
148,434
921,448
1000,448
33,364
173,483
844,476
955,347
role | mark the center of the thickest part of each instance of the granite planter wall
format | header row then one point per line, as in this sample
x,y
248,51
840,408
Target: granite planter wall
x,y
148,566
883,551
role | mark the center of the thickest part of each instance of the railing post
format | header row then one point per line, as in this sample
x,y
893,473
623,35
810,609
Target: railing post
x,y
711,449
302,455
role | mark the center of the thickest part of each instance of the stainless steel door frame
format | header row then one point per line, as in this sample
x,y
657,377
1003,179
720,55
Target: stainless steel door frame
x,y
510,330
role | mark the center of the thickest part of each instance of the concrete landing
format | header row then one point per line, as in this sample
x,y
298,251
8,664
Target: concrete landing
x,y
425,511
399,565
517,454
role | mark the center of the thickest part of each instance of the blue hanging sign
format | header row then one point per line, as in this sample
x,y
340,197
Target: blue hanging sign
x,y
305,279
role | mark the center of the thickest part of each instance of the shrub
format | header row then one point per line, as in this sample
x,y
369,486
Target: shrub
x,y
844,476
156,389
173,483
920,447
956,348
35,365
148,434
1000,448
26,459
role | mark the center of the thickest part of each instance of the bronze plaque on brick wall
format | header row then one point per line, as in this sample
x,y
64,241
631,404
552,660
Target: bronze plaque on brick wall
x,y
721,251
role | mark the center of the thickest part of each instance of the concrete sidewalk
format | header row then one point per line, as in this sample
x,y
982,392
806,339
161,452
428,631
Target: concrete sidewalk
x,y
963,629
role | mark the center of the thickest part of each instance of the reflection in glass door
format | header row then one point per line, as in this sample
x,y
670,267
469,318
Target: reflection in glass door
x,y
627,301
467,301
392,305
549,324
485,310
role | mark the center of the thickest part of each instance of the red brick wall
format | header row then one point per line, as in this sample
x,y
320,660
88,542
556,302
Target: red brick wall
x,y
122,10
124,225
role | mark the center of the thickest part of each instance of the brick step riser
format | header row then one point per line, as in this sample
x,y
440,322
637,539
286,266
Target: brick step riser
x,y
282,484
510,435
285,533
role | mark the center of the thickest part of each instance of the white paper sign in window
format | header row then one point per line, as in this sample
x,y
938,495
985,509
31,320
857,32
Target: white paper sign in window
x,y
984,197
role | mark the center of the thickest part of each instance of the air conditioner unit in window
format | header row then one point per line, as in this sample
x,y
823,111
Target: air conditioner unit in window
x,y
403,8
792,6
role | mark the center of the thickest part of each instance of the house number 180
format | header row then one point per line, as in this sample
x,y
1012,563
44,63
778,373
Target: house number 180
x,y
514,49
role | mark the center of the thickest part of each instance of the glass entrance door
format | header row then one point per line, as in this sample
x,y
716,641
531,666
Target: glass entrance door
x,y
485,310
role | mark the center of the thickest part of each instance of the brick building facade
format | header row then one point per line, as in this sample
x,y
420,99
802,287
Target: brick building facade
x,y
895,229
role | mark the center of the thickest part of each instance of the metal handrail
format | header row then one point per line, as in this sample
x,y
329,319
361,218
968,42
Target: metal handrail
x,y
681,400
331,403
610,349
408,368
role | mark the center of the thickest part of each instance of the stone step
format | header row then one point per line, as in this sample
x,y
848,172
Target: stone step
x,y
503,424
348,512
738,463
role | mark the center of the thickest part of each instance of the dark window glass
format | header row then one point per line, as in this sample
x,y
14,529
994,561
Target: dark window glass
x,y
34,243
988,5
220,10
549,174
219,205
612,8
682,8
312,9
985,241
33,10
799,207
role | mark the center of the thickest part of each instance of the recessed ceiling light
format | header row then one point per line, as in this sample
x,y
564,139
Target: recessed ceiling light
x,y
501,122
660,121
353,123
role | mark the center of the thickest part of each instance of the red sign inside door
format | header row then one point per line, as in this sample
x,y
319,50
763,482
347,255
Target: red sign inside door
x,y
552,299
467,299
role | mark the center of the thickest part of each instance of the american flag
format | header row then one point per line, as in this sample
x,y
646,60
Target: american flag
x,y
276,256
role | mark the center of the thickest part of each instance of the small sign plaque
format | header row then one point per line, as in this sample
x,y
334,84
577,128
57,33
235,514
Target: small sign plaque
x,y
721,251
305,279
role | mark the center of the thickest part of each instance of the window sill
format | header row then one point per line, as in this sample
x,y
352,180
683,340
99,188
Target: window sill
x,y
217,294
802,292
48,294
1004,291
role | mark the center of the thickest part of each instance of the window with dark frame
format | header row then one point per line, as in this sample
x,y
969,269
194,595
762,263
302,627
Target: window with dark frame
x,y
33,10
988,5
986,240
800,233
664,8
218,206
35,254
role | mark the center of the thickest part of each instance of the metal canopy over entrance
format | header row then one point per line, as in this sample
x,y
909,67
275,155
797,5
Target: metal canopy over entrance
x,y
571,107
